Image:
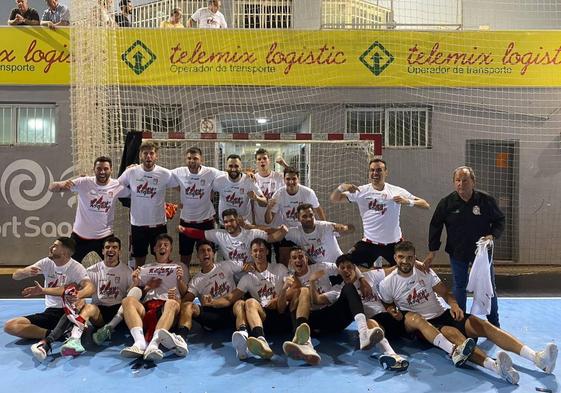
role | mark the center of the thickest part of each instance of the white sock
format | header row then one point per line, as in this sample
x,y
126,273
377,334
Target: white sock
x,y
490,364
442,342
138,335
528,353
361,322
385,347
155,343
76,332
116,319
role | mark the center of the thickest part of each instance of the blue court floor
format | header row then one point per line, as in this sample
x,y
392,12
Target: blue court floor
x,y
212,365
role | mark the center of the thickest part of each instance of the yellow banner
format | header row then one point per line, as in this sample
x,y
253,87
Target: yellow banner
x,y
194,57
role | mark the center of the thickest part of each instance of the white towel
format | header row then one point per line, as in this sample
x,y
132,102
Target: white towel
x,y
480,279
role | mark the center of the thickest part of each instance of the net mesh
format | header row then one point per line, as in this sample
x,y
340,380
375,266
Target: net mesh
x,y
509,135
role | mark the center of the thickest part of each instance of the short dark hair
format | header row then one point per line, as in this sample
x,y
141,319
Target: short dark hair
x,y
103,159
343,258
68,243
194,150
377,160
258,240
201,243
112,239
148,145
291,170
230,212
163,236
404,245
261,151
124,3
233,157
297,248
303,206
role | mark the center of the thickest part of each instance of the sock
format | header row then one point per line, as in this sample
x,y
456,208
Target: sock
x,y
138,336
242,328
441,342
528,353
76,332
47,334
183,331
155,343
116,319
257,331
490,364
385,347
301,320
361,322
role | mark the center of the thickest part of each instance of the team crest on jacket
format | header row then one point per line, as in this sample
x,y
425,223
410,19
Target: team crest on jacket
x,y
476,210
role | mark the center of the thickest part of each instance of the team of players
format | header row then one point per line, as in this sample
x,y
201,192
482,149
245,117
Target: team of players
x,y
244,291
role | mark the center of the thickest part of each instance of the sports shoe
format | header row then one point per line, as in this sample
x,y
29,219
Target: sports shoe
x,y
304,352
102,334
72,347
259,347
369,337
153,353
505,369
302,334
462,352
393,362
546,359
132,352
173,341
41,350
239,342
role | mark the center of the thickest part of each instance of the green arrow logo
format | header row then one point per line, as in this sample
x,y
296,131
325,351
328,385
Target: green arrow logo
x,y
376,58
138,57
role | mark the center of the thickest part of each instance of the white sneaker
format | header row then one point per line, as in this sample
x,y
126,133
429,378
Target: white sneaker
x,y
132,352
153,353
505,369
302,334
545,360
259,347
462,352
369,337
304,352
40,350
239,342
173,341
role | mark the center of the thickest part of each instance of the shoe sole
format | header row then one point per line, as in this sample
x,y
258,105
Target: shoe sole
x,y
39,355
302,334
392,364
376,336
257,348
99,341
466,352
239,342
292,350
70,352
153,356
168,341
128,353
505,365
552,352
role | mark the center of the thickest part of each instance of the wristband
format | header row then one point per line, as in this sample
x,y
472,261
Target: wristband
x,y
341,188
411,202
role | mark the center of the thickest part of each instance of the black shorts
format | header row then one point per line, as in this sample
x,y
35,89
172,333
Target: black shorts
x,y
277,323
186,244
446,319
331,319
365,253
143,238
47,319
392,327
85,246
212,318
108,312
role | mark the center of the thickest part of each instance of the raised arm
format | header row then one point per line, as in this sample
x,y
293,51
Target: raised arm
x,y
338,196
61,186
320,213
277,234
413,201
343,229
26,272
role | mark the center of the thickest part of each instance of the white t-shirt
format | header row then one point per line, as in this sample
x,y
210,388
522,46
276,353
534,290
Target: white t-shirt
x,y
60,276
167,273
268,185
96,207
380,214
373,305
196,192
235,248
264,286
323,285
216,283
111,283
320,244
208,20
148,194
233,195
285,208
413,293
